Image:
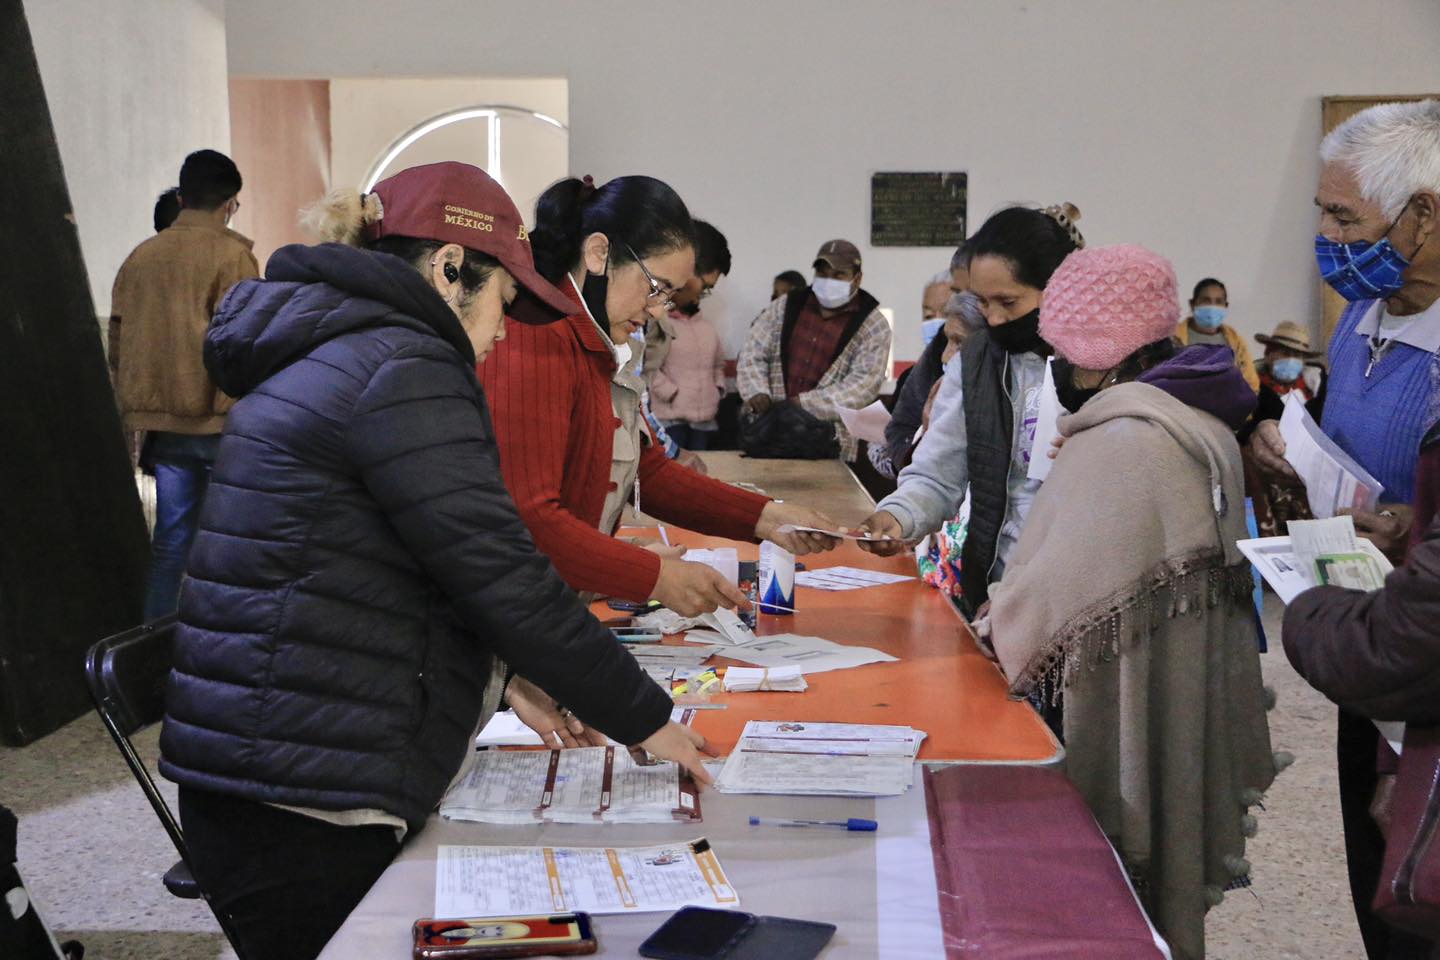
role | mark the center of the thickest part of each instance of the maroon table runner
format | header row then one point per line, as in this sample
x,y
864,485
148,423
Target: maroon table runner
x,y
1024,872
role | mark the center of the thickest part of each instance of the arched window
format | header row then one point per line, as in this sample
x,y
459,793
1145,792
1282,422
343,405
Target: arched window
x,y
525,151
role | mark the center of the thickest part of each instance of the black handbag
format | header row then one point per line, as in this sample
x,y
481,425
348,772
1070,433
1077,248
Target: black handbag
x,y
787,431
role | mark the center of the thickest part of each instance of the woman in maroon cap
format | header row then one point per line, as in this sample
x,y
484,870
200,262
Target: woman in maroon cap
x,y
566,401
361,580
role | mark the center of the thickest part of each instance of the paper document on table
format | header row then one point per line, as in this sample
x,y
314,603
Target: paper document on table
x,y
868,423
479,881
810,654
1333,480
1046,426
846,578
821,759
581,785
787,679
728,626
1287,574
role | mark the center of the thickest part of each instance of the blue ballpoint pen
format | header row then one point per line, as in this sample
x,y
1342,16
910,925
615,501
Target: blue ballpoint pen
x,y
854,823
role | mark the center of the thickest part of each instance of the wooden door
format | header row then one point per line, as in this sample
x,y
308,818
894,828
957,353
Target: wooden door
x,y
1333,112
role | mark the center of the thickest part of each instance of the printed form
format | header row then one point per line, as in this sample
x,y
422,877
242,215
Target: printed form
x,y
481,881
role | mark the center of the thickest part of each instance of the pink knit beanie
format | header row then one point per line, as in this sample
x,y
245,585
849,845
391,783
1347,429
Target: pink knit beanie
x,y
1104,303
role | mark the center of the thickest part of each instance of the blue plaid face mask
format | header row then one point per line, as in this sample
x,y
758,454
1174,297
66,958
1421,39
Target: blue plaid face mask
x,y
1362,270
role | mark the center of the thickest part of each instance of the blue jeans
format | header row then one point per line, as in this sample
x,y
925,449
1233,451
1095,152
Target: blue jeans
x,y
182,474
688,437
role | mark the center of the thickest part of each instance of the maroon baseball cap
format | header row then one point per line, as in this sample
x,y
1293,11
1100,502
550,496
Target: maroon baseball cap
x,y
459,203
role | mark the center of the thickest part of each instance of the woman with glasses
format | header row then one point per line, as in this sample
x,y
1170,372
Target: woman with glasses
x,y
566,401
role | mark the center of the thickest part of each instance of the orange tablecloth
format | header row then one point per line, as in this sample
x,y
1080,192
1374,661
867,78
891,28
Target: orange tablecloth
x,y
942,684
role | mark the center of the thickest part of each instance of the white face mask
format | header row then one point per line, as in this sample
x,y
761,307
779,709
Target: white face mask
x,y
832,293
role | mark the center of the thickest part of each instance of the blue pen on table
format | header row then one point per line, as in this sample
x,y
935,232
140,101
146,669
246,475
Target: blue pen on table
x,y
852,824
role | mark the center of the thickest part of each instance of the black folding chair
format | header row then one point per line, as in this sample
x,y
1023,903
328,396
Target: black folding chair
x,y
127,674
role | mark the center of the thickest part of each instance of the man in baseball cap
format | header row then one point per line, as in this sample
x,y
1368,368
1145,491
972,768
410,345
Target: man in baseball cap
x,y
823,348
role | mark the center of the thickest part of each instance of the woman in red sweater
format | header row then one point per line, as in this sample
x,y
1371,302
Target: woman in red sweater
x,y
565,400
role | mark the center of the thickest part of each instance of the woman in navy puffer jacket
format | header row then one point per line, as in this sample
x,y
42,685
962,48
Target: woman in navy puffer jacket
x,y
361,578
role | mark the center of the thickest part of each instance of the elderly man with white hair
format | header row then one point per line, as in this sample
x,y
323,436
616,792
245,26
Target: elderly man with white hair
x,y
1379,200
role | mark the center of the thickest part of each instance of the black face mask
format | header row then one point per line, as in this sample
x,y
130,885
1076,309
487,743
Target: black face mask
x,y
1071,397
1021,335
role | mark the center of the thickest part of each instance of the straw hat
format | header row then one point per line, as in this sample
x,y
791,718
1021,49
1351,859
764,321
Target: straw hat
x,y
1291,336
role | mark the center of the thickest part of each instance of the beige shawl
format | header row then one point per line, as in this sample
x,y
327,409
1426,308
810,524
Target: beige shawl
x,y
1126,595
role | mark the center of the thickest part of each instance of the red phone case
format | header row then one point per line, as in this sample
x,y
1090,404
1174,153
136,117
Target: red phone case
x,y
567,934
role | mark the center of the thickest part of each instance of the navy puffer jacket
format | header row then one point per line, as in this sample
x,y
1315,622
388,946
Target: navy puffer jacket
x,y
359,559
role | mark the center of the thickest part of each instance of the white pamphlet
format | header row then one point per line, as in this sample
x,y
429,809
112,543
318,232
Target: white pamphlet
x,y
868,423
810,654
479,881
1333,480
1046,426
846,578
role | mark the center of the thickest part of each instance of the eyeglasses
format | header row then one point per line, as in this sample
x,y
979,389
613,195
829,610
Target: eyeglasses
x,y
658,291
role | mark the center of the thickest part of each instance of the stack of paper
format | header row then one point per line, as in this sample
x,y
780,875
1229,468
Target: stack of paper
x,y
1317,553
861,536
477,881
582,785
846,578
750,679
821,759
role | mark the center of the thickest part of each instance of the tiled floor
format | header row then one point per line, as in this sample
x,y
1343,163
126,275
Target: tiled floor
x,y
93,853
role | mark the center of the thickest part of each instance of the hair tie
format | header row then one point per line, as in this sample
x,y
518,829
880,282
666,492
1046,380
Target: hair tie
x,y
587,188
1058,213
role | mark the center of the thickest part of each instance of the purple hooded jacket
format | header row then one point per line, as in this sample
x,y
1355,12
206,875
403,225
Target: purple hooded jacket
x,y
1205,377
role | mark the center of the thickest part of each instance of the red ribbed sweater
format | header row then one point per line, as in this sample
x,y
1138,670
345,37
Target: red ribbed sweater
x,y
549,393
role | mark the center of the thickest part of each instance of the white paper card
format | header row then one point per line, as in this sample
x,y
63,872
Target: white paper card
x,y
1046,426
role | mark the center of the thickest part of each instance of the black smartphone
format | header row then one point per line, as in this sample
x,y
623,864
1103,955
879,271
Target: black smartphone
x,y
697,933
630,606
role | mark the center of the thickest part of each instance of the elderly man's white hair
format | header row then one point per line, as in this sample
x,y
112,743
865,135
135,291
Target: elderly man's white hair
x,y
942,277
1393,149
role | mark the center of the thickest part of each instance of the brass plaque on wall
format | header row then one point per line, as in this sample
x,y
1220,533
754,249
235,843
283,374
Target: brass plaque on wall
x,y
917,209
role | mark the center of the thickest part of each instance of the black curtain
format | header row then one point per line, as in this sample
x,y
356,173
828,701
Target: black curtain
x,y
73,546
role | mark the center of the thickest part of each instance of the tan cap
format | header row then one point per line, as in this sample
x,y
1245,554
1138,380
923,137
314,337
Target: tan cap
x,y
839,254
1291,336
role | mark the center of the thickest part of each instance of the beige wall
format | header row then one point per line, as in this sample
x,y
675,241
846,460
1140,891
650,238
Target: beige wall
x,y
280,138
133,87
368,115
1189,127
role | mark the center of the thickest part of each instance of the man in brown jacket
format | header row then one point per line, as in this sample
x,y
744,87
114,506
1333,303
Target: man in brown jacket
x,y
164,296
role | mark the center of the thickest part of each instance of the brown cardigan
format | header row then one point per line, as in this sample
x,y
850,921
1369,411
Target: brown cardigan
x,y
164,296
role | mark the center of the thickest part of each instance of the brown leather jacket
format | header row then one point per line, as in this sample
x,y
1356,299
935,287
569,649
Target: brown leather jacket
x,y
1375,654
